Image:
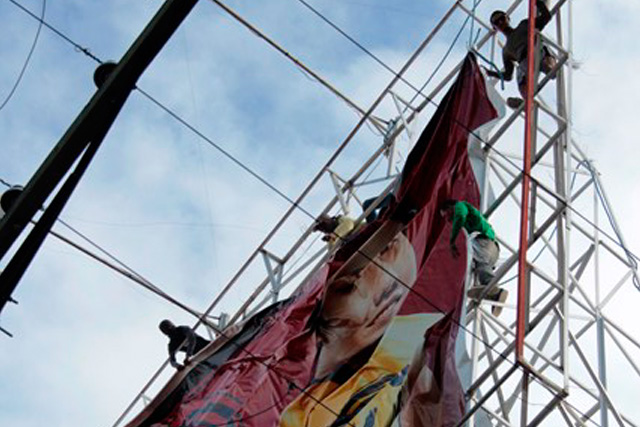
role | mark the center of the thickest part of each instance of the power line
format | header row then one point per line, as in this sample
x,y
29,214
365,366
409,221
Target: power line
x,y
115,264
59,33
26,62
348,37
308,71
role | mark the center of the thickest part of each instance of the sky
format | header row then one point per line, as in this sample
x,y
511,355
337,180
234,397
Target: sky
x,y
178,212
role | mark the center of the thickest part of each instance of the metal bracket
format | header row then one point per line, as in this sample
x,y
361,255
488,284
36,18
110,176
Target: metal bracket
x,y
215,324
275,274
145,399
391,140
338,182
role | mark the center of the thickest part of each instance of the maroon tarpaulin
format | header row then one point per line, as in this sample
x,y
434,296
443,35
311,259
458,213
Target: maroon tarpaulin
x,y
365,349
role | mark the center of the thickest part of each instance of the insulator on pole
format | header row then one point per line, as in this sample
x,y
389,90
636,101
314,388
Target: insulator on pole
x,y
103,72
8,199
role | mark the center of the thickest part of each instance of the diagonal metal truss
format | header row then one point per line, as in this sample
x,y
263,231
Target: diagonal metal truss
x,y
572,338
580,364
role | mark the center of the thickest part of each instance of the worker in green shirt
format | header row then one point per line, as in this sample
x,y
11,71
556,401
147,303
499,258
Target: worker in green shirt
x,y
483,244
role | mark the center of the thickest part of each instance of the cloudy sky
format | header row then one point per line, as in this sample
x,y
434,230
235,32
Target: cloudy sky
x,y
170,206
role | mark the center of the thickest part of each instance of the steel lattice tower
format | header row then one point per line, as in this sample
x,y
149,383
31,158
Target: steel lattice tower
x,y
577,263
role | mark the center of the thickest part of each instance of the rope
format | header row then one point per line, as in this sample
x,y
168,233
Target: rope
x,y
492,65
473,21
437,68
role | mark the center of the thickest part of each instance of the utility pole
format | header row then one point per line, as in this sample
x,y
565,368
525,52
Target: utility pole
x,y
79,144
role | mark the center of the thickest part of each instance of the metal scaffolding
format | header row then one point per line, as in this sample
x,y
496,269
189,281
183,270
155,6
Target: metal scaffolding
x,y
571,339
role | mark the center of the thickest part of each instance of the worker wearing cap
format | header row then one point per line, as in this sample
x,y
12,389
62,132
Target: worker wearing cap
x,y
515,49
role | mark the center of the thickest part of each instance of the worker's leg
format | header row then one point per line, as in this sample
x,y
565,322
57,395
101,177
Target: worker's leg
x,y
485,256
521,78
500,296
548,61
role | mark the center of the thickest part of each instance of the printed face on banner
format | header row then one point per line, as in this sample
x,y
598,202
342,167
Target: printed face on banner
x,y
366,352
358,308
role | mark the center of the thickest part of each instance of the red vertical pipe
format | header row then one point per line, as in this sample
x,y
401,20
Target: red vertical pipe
x,y
526,182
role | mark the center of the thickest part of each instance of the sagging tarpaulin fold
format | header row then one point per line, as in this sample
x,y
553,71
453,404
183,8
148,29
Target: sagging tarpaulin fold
x,y
374,347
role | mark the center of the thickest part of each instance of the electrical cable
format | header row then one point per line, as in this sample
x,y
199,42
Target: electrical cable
x,y
78,47
121,268
26,62
437,68
348,37
222,151
360,46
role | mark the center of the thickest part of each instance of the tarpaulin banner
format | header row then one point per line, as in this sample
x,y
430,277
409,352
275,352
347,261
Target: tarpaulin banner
x,y
370,339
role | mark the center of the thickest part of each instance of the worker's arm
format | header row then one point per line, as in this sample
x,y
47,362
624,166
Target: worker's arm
x,y
507,71
544,16
172,357
459,218
492,73
190,345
